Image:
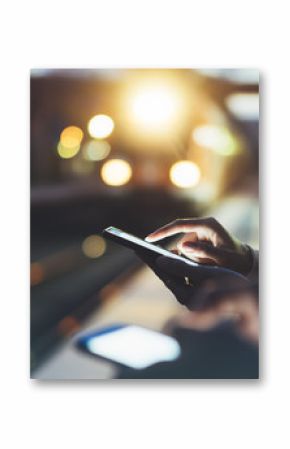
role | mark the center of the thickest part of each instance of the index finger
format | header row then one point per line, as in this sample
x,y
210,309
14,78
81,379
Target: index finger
x,y
184,225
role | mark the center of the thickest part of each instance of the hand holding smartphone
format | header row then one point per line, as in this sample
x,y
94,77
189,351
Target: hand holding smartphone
x,y
180,275
153,251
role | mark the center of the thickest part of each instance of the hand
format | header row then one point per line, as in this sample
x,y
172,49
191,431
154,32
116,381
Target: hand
x,y
206,241
239,305
183,279
215,300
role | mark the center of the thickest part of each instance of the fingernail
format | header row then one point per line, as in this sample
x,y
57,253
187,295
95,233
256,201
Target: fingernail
x,y
150,238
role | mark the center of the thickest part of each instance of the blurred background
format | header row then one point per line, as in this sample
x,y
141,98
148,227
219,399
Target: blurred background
x,y
135,149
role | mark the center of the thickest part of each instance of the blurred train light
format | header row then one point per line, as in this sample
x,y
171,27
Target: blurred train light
x,y
96,150
116,172
216,138
244,106
185,174
71,137
94,246
67,152
100,126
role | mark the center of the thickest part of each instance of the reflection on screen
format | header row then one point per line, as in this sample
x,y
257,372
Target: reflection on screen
x,y
135,347
141,242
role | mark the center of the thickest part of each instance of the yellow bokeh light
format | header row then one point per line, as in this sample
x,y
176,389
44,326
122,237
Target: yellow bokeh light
x,y
67,152
216,138
100,126
116,172
184,174
96,150
94,246
71,137
154,107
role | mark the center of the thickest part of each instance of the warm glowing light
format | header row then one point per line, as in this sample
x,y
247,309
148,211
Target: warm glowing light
x,y
216,138
96,150
67,152
94,246
100,126
184,174
154,106
116,172
71,137
70,142
244,106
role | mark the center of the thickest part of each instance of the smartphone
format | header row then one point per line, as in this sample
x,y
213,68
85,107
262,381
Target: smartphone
x,y
200,273
130,241
130,345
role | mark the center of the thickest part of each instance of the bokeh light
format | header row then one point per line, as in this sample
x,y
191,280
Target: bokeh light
x,y
94,246
100,126
154,107
71,137
116,172
96,150
216,138
184,174
244,106
67,152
